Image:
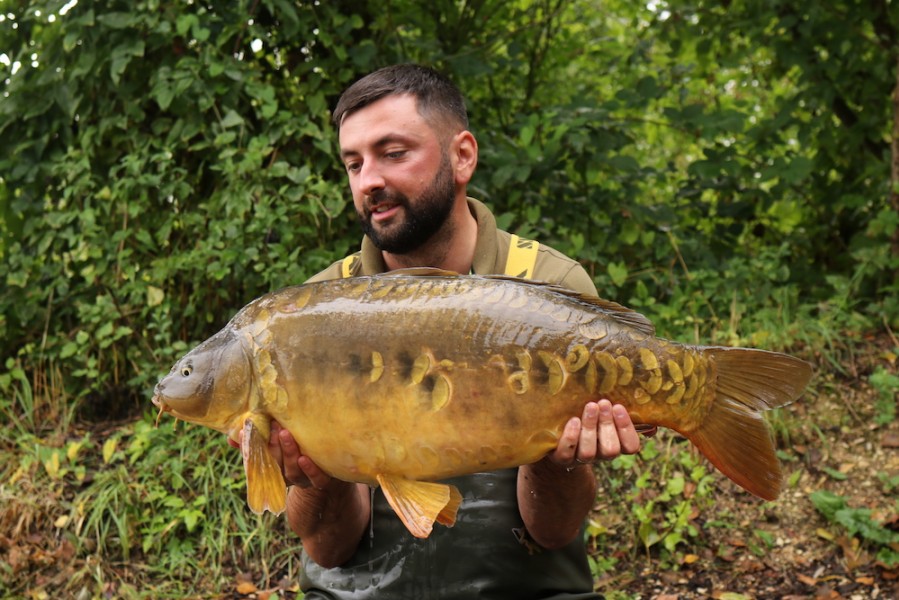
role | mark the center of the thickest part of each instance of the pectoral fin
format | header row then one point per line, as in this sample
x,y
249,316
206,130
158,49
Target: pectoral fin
x,y
418,504
266,489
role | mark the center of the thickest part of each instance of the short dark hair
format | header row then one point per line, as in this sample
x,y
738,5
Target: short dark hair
x,y
438,99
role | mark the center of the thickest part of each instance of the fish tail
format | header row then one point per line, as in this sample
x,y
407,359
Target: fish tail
x,y
734,435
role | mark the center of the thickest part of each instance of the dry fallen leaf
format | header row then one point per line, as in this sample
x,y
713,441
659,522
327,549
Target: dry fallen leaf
x,y
730,596
245,584
853,555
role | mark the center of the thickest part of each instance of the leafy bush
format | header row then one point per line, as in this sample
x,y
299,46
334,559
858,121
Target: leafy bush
x,y
859,522
163,164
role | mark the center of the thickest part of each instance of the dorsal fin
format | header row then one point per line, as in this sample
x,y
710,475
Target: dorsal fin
x,y
622,314
626,316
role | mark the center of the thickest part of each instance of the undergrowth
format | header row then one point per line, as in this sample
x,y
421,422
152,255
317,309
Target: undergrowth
x,y
129,509
140,511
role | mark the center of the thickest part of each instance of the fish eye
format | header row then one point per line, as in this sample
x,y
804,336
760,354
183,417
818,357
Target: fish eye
x,y
186,371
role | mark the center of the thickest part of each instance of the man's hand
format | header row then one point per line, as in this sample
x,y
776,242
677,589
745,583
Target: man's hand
x,y
603,432
297,468
328,514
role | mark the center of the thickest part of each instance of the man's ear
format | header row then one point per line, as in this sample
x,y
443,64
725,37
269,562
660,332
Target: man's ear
x,y
464,156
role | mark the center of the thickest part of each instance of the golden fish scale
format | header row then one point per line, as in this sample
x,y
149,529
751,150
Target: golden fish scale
x,y
487,374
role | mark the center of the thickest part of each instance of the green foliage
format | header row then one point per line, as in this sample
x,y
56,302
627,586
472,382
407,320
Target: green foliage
x,y
859,522
173,503
887,386
195,184
665,487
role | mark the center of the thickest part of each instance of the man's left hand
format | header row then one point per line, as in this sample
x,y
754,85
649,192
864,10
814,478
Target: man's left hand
x,y
604,431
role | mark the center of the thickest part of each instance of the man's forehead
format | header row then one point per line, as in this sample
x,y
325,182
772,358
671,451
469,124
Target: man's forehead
x,y
395,105
393,118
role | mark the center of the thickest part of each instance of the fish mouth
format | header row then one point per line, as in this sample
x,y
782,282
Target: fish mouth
x,y
163,407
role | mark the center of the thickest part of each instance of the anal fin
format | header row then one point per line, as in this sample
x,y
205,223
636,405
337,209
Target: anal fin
x,y
266,488
419,504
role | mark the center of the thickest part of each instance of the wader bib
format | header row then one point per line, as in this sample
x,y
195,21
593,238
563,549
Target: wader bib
x,y
487,554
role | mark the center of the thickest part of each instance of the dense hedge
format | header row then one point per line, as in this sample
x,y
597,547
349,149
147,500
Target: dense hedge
x,y
162,163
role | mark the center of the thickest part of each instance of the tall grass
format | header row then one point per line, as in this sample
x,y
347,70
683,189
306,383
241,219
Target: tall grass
x,y
124,509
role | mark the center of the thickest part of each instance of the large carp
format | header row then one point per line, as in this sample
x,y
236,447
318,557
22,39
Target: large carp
x,y
404,379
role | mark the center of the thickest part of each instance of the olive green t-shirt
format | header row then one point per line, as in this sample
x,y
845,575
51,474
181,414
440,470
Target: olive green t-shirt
x,y
490,256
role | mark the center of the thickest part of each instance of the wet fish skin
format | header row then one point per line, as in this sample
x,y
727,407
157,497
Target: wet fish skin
x,y
412,377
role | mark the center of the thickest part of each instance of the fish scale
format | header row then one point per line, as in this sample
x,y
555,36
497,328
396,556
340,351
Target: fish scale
x,y
406,379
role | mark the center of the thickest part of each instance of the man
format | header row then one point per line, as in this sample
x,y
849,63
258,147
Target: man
x,y
409,156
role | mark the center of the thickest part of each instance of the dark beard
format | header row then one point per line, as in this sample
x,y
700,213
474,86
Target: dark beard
x,y
422,218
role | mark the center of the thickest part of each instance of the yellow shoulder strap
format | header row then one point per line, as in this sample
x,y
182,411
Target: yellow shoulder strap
x,y
520,262
346,267
522,257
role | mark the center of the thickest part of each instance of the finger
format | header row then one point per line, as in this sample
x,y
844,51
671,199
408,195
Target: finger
x,y
565,450
274,443
627,434
609,444
588,435
290,454
236,443
313,475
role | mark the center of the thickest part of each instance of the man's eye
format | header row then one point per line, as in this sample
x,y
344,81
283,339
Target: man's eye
x,y
395,155
352,167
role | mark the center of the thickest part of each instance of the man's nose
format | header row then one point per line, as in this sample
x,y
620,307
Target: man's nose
x,y
370,179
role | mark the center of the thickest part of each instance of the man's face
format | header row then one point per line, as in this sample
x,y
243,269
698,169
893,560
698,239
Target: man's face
x,y
400,175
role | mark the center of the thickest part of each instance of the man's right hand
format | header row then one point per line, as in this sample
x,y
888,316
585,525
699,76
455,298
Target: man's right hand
x,y
298,468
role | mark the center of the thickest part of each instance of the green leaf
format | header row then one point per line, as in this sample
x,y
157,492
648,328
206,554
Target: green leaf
x,y
834,474
675,485
827,503
68,350
624,163
232,119
155,296
122,55
859,521
184,23
798,169
119,20
618,272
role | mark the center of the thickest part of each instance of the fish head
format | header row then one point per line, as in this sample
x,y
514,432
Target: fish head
x,y
210,385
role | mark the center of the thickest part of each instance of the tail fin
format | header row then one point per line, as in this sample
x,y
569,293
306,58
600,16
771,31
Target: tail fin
x,y
734,435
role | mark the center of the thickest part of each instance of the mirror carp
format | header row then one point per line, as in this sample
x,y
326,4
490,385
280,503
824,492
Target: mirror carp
x,y
403,379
